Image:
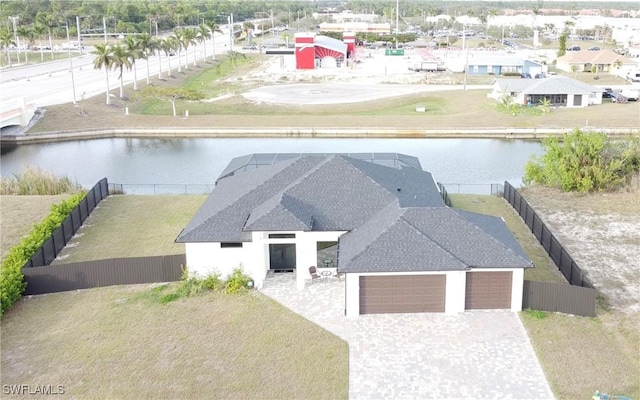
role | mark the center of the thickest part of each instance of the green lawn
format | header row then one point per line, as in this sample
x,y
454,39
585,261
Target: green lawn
x,y
116,342
19,213
132,226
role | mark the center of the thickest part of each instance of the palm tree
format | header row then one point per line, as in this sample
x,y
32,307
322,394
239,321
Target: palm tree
x,y
177,39
39,31
104,58
121,59
134,52
169,46
213,28
203,35
23,32
190,35
148,47
46,20
6,41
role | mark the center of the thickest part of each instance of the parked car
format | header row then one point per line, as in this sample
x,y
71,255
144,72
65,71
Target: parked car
x,y
250,47
608,93
630,93
574,48
594,48
525,75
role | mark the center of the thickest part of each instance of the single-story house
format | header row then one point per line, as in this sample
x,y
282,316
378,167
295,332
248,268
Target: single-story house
x,y
377,217
559,90
501,65
604,60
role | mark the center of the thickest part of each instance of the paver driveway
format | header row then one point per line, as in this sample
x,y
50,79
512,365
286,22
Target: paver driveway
x,y
485,354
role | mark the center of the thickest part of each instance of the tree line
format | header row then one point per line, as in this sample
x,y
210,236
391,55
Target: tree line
x,y
123,55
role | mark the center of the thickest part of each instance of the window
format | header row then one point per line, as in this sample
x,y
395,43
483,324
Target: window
x,y
475,69
282,236
228,245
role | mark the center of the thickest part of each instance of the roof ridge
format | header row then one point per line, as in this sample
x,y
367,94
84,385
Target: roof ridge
x,y
433,240
490,235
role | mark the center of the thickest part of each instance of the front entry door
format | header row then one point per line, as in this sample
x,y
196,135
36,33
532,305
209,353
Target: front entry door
x,y
282,257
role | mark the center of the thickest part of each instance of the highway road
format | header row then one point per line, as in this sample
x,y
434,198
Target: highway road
x,y
50,83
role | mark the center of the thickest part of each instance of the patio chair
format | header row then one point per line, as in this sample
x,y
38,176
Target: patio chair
x,y
313,271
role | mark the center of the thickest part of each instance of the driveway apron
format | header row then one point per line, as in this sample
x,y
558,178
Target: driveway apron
x,y
479,354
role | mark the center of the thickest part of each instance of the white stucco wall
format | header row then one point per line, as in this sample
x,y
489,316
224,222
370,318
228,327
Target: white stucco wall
x,y
207,258
253,257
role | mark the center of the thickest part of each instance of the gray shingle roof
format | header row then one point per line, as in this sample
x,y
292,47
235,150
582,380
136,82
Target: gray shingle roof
x,y
337,192
553,85
395,216
429,239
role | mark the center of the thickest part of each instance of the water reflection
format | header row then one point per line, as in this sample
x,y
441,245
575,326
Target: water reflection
x,y
200,161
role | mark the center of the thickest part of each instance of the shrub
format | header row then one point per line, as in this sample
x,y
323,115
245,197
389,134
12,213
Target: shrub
x,y
237,281
584,161
192,285
11,278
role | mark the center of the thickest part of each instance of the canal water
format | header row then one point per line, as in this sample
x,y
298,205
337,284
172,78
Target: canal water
x,y
200,161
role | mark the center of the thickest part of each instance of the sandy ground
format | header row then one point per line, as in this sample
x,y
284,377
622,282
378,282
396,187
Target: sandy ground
x,y
602,234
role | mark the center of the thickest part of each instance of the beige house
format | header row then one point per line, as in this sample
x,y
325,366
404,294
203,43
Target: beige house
x,y
605,61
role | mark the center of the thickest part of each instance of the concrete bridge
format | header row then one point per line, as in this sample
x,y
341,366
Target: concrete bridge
x,y
16,112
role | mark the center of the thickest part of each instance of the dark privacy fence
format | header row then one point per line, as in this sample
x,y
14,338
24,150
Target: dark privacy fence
x,y
91,274
549,296
59,238
551,245
580,297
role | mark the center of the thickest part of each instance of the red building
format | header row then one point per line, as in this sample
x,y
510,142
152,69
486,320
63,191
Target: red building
x,y
319,51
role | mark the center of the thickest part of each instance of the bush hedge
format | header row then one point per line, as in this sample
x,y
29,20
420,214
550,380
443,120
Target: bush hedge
x,y
11,278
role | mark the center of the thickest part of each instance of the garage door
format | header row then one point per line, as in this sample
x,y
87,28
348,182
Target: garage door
x,y
486,290
402,294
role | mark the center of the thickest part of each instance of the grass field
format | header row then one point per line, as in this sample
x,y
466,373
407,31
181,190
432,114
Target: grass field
x,y
19,213
132,226
118,342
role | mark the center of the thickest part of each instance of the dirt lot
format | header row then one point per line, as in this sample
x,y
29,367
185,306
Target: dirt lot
x,y
382,74
602,234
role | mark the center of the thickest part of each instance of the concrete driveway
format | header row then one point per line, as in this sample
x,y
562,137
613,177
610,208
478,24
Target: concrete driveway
x,y
485,354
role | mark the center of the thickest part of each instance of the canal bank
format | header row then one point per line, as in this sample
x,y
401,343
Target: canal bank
x,y
11,141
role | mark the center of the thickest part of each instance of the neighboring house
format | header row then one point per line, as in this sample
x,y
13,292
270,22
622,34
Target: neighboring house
x,y
559,90
604,60
378,217
501,65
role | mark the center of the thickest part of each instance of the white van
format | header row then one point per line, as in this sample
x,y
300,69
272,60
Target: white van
x,y
630,93
634,76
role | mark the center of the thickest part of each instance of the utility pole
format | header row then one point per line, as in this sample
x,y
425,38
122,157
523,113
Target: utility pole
x,y
14,19
78,29
397,19
273,31
104,29
230,33
73,83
